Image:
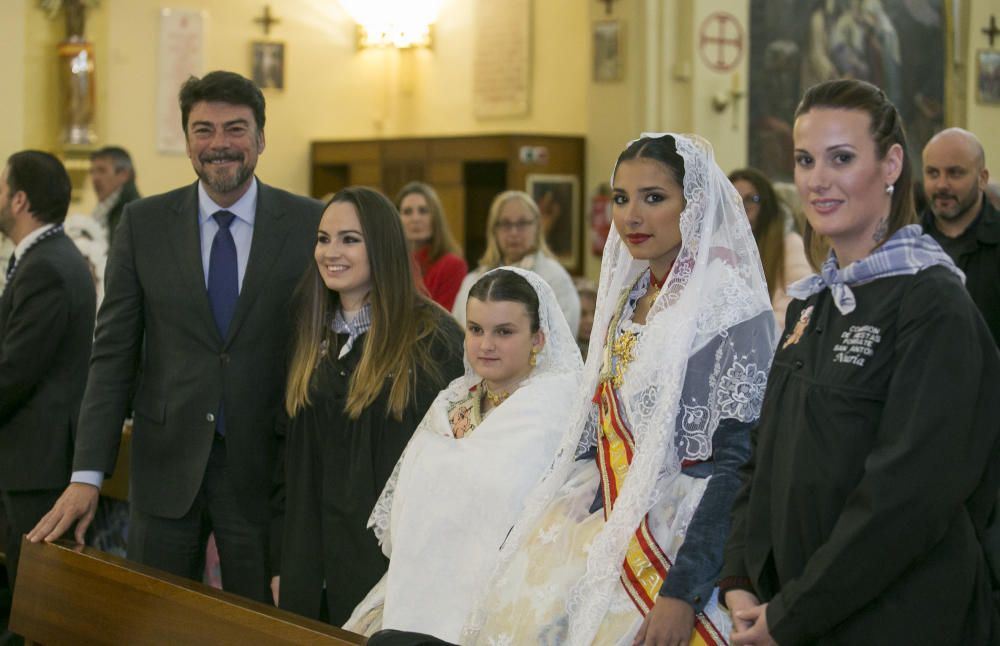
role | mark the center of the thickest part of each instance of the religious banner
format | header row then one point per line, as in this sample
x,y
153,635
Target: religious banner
x,y
182,54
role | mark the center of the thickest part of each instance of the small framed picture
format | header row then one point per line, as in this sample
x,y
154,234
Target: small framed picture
x,y
268,65
558,199
988,76
609,58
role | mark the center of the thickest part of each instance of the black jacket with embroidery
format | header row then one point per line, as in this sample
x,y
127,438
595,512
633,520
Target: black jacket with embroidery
x,y
874,468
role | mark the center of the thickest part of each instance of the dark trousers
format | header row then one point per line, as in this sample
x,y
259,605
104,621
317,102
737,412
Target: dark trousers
x,y
177,545
23,510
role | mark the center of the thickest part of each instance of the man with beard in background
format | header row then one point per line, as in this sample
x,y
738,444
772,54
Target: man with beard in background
x,y
960,217
196,313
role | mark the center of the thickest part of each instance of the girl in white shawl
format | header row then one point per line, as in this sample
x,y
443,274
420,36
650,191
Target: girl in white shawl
x,y
474,458
622,540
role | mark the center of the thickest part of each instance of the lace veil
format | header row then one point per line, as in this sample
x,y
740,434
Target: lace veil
x,y
703,355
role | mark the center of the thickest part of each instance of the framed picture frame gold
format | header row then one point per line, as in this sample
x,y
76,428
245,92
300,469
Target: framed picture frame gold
x,y
608,55
267,64
558,199
988,76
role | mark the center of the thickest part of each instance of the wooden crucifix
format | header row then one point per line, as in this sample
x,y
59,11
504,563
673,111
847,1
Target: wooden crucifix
x,y
992,31
607,6
266,20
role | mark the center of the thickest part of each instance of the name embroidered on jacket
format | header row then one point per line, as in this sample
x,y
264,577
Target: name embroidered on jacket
x,y
857,344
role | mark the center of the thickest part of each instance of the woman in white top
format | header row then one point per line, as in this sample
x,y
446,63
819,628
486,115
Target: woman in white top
x,y
478,452
514,237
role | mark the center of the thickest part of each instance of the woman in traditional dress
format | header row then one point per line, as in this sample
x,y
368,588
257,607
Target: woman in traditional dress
x,y
370,355
431,244
514,238
781,250
876,457
475,457
621,542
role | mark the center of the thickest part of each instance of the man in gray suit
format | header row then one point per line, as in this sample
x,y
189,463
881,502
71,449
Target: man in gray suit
x,y
196,309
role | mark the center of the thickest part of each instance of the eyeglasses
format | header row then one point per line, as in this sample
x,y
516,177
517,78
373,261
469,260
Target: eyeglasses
x,y
519,225
750,200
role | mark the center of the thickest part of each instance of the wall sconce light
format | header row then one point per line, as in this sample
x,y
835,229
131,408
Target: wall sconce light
x,y
402,24
724,98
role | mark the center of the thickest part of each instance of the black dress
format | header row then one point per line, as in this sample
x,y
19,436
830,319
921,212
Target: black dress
x,y
874,468
335,470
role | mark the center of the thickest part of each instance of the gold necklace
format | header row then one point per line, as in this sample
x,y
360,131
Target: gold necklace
x,y
495,398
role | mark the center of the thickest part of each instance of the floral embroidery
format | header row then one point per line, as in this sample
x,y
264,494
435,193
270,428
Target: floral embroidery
x,y
741,391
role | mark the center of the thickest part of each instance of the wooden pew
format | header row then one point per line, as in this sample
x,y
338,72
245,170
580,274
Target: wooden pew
x,y
79,596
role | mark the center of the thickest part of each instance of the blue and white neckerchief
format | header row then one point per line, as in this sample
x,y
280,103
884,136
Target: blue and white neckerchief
x,y
353,329
908,251
12,267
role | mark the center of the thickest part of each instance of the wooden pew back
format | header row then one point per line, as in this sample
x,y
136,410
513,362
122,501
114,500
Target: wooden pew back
x,y
67,594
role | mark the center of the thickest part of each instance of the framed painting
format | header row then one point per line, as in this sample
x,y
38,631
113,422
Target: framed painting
x,y
795,44
268,65
558,199
609,64
988,76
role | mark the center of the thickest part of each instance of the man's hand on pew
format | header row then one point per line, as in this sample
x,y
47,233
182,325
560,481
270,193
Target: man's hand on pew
x,y
76,505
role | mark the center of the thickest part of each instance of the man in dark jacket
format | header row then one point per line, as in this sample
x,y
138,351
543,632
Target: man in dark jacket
x,y
960,217
198,320
46,326
113,177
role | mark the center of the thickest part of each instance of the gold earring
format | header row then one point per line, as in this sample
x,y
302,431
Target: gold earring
x,y
533,361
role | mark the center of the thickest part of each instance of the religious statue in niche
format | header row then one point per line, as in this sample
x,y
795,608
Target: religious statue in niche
x,y
76,72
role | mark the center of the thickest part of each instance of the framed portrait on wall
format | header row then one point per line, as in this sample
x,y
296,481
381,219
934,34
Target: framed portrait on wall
x,y
795,44
268,65
988,76
558,199
609,63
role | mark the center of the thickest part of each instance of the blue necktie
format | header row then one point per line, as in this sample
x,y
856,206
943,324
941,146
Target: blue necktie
x,y
223,285
10,268
223,275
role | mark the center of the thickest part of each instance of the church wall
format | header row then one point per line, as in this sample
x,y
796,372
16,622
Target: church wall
x,y
12,71
332,90
984,120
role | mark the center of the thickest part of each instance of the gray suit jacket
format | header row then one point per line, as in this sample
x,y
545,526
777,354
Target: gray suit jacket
x,y
156,326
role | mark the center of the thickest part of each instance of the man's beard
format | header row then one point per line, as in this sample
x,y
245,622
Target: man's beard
x,y
224,183
961,206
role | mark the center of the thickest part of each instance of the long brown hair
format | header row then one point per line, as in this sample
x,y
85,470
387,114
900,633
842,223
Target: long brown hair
x,y
492,257
886,129
441,241
401,318
769,230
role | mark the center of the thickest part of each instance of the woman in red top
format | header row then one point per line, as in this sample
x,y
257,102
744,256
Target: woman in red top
x,y
434,250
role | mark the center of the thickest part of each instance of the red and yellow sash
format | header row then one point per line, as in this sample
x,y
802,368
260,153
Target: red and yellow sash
x,y
646,565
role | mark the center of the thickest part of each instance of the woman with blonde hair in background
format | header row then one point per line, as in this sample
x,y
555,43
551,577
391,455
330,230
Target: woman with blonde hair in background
x,y
781,251
434,249
369,356
514,237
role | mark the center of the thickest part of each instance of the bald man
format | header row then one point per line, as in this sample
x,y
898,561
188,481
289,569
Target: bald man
x,y
960,217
